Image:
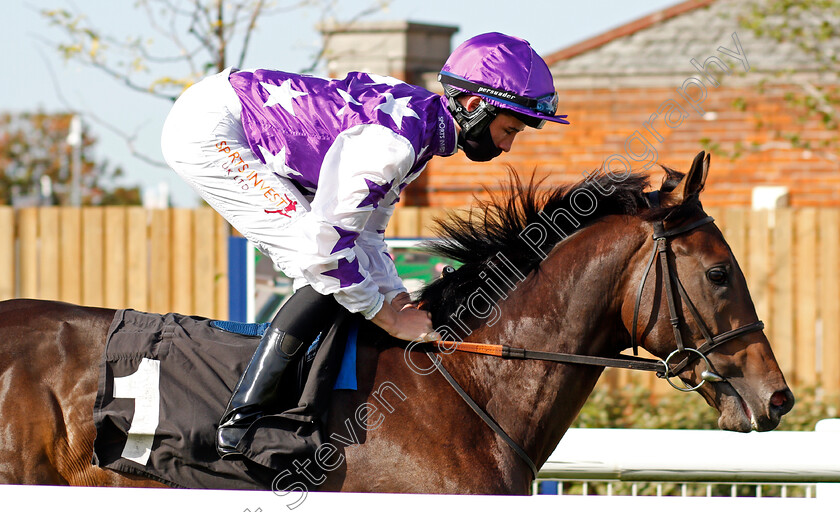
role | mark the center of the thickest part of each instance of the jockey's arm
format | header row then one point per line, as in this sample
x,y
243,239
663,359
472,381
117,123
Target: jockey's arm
x,y
363,168
371,242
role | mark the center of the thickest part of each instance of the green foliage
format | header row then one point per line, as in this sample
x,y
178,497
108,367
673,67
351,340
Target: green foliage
x,y
33,145
810,408
738,148
804,24
739,104
634,407
120,196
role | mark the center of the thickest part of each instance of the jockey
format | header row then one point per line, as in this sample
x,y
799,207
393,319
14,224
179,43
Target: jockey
x,y
310,169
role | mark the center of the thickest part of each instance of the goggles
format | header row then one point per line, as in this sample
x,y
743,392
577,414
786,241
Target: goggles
x,y
546,105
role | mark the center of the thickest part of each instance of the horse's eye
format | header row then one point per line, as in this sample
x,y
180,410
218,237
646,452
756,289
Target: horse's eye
x,y
718,275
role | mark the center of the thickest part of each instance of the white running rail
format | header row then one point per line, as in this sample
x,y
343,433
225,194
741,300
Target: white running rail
x,y
701,456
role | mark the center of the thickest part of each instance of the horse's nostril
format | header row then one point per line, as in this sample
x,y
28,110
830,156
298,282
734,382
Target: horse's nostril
x,y
782,401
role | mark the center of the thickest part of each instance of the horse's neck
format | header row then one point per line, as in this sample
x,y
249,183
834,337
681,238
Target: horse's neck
x,y
571,305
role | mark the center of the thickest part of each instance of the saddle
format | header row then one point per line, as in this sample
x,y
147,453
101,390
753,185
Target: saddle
x,y
163,384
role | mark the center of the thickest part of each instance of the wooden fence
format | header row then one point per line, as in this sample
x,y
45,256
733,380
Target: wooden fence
x,y
791,259
149,260
176,260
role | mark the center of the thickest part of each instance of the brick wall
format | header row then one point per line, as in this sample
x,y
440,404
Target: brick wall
x,y
603,120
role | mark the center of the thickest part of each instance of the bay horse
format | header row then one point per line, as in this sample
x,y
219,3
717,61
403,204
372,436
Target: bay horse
x,y
572,274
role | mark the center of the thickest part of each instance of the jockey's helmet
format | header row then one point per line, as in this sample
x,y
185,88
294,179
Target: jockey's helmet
x,y
507,74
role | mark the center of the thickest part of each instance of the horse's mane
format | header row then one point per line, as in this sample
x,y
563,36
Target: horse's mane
x,y
494,226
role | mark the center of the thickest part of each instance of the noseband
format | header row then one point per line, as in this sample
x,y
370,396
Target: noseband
x,y
671,281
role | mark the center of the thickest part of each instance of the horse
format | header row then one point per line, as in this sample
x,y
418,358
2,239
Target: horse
x,y
562,270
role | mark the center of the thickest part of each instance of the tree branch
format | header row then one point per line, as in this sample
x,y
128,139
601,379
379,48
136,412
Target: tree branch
x,y
126,81
129,139
221,43
252,24
194,30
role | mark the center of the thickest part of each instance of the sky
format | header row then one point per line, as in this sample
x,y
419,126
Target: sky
x,y
36,77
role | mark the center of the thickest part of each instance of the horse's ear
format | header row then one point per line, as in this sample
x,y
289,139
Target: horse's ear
x,y
692,183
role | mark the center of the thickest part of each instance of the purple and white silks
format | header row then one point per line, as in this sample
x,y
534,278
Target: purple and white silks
x,y
351,146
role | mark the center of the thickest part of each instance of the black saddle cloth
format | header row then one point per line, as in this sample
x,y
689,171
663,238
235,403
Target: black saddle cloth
x,y
164,383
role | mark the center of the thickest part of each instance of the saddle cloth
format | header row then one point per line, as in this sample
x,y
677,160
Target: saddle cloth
x,y
164,382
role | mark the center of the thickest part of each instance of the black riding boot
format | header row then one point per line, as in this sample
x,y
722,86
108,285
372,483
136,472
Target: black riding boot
x,y
303,314
256,389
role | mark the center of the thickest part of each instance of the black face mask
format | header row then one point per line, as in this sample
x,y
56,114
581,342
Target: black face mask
x,y
479,148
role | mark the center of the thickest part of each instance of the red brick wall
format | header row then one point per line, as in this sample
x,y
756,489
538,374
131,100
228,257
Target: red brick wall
x,y
602,121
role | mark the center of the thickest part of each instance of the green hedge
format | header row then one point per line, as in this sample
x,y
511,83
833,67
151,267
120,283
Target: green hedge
x,y
633,407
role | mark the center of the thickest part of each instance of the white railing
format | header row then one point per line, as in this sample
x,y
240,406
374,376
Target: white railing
x,y
618,457
692,459
101,499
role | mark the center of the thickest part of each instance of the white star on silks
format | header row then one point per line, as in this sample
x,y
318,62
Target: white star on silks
x,y
397,108
348,100
277,163
422,152
387,80
281,95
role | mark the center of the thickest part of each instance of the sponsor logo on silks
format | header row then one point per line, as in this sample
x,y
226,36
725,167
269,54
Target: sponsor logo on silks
x,y
291,206
441,125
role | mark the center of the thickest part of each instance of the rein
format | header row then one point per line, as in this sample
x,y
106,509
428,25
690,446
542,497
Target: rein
x,y
664,368
508,352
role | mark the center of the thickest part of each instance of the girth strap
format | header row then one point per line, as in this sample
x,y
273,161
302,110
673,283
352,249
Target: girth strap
x,y
483,415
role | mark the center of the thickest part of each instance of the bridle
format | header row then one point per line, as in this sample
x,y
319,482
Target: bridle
x,y
664,368
669,282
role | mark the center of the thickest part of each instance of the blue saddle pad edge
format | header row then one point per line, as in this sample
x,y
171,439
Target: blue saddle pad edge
x,y
243,328
347,373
